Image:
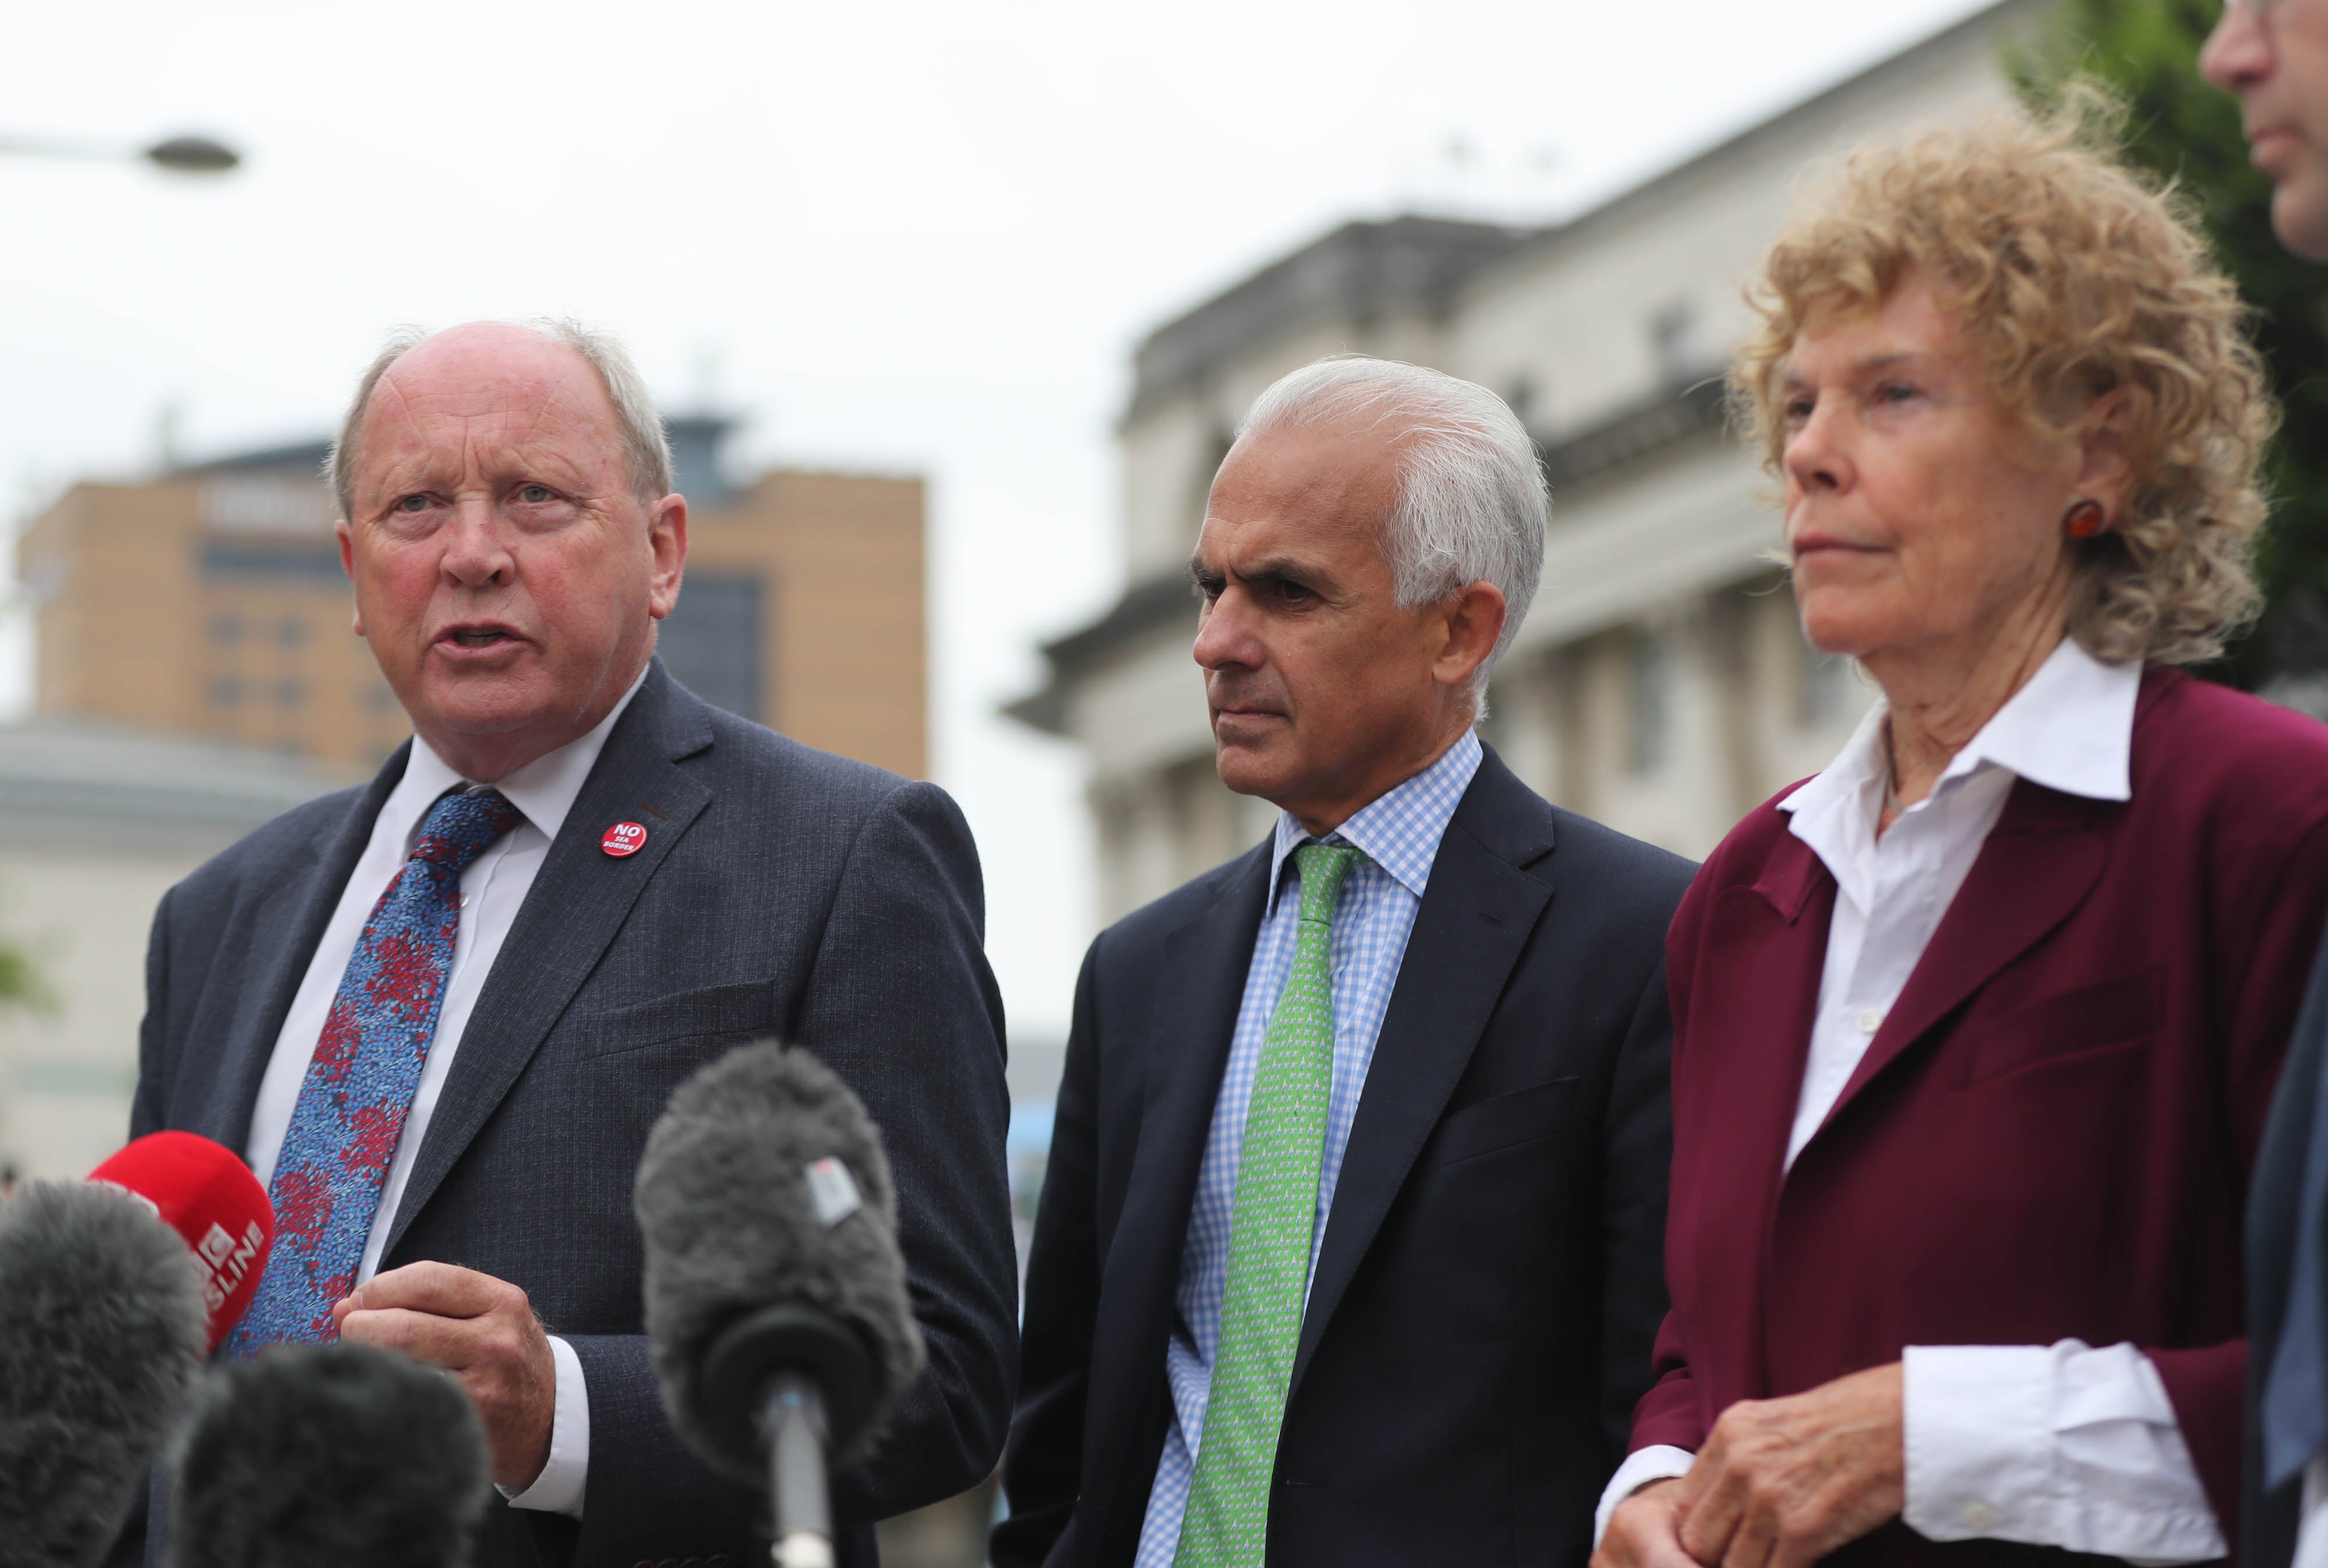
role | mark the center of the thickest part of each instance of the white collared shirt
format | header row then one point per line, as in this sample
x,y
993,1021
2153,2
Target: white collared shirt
x,y
2059,1445
492,889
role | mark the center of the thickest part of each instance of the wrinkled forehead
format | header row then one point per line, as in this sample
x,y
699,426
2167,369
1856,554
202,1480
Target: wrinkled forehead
x,y
488,404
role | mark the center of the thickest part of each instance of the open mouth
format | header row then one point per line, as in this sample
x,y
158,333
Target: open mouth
x,y
477,637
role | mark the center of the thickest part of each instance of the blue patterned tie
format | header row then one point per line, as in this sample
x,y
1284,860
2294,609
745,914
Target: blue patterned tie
x,y
360,1082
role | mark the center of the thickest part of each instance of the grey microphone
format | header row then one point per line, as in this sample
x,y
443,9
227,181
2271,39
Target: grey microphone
x,y
102,1326
776,1312
340,1454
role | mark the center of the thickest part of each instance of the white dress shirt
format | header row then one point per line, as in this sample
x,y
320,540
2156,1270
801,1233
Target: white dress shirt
x,y
2061,1445
492,890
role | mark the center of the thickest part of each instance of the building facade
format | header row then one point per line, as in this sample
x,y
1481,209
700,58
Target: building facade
x,y
102,821
210,602
1660,681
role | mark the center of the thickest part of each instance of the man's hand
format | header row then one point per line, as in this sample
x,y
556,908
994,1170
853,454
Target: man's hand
x,y
481,1330
1782,1482
1644,1531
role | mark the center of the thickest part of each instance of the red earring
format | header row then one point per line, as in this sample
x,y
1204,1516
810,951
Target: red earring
x,y
2085,520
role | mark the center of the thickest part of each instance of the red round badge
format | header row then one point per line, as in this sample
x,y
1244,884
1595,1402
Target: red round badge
x,y
624,839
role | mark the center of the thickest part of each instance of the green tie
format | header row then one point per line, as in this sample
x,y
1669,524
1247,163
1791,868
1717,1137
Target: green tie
x,y
1226,1522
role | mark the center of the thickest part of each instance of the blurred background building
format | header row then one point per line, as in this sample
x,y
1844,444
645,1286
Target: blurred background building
x,y
210,602
1660,683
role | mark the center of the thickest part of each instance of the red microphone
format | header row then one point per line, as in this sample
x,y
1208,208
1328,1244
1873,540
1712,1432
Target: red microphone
x,y
204,1192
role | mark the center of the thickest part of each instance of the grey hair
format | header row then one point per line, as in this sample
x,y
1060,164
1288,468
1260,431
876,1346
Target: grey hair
x,y
646,449
1471,506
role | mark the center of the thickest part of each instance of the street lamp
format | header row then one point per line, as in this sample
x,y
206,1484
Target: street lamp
x,y
181,154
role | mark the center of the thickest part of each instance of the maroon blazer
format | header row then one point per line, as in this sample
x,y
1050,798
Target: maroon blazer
x,y
2050,1136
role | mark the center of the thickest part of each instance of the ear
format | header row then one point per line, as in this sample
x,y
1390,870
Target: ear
x,y
1474,619
667,542
2105,473
347,539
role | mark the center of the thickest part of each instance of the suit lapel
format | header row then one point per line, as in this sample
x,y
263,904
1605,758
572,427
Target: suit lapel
x,y
1476,917
1764,949
578,901
1202,964
287,926
2040,860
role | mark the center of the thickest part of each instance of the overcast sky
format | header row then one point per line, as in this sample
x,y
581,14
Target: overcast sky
x,y
906,236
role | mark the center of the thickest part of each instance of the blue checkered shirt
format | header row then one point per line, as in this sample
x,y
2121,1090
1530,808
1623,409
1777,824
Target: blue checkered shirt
x,y
1399,834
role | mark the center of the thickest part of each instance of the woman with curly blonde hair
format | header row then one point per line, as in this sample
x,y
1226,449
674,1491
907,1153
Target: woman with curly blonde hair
x,y
1975,1031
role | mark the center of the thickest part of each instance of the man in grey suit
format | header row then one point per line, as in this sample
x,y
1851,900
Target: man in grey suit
x,y
440,1012
2272,55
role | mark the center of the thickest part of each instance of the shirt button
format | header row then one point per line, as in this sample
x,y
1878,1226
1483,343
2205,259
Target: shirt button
x,y
1979,1516
465,900
1869,1021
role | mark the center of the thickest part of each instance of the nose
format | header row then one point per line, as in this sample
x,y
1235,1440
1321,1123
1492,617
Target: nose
x,y
1817,456
476,554
1226,634
2237,53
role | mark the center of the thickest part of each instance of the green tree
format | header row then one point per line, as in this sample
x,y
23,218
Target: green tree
x,y
2146,51
19,983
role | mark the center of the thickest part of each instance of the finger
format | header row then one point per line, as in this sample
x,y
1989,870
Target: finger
x,y
455,1343
441,1289
1707,1520
1754,1540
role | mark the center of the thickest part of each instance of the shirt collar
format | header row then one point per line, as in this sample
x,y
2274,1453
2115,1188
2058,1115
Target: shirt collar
x,y
544,789
1398,830
2070,727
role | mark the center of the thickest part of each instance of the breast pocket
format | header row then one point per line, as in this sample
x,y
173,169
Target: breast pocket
x,y
2087,1022
716,1014
1501,1121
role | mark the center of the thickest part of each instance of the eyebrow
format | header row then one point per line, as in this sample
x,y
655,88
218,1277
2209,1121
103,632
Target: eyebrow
x,y
1867,366
1280,569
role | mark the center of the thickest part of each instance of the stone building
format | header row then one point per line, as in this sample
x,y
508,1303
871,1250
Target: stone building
x,y
1660,683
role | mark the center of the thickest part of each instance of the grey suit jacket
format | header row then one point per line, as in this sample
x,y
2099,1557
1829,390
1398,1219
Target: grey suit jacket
x,y
780,891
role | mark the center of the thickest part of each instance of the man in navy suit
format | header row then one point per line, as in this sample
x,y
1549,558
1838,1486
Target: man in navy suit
x,y
2274,55
1349,1242
576,885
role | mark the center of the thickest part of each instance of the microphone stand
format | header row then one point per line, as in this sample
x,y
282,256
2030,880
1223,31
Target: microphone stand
x,y
792,1426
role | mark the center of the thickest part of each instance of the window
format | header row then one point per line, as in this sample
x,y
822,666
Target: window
x,y
1648,739
290,693
290,632
226,690
226,631
713,643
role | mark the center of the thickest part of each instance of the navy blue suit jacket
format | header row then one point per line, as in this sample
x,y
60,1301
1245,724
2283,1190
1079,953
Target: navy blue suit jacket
x,y
1479,1323
781,891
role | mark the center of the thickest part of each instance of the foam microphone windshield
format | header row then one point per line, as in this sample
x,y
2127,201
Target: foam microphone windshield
x,y
204,1192
101,1329
340,1454
764,1199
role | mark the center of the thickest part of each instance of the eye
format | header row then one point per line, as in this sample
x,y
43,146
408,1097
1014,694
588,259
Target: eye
x,y
1797,410
1893,392
414,503
536,494
1293,592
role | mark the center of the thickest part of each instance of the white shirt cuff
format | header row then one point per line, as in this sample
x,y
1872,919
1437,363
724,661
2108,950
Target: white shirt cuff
x,y
2059,1445
557,1489
1657,1462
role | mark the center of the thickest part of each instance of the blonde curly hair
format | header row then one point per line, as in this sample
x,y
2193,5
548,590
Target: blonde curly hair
x,y
2073,275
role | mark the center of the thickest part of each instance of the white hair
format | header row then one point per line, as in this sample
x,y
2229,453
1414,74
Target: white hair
x,y
646,449
1471,506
